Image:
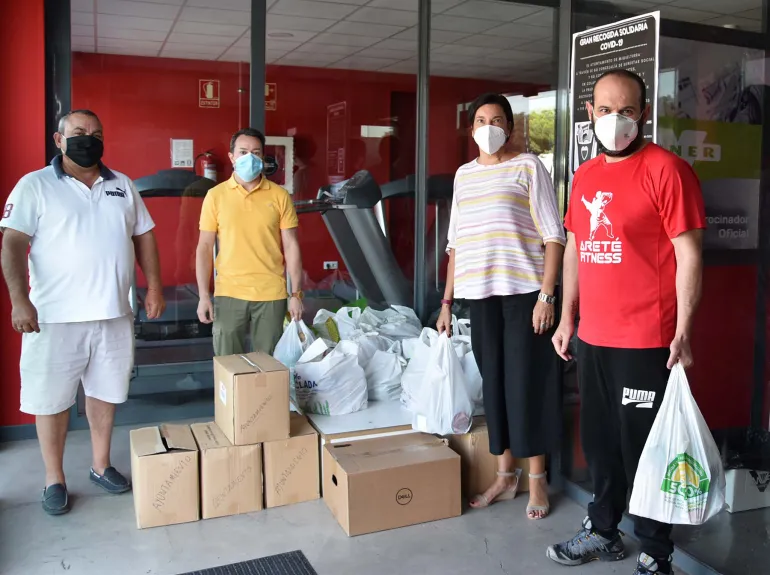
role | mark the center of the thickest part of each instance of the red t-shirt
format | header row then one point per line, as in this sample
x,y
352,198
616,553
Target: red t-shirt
x,y
623,216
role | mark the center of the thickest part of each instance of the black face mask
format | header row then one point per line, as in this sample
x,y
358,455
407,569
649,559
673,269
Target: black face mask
x,y
632,147
85,151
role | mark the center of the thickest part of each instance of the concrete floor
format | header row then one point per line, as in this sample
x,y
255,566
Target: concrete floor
x,y
99,535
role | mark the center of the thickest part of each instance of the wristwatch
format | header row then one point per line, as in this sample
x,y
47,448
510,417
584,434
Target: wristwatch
x,y
549,299
300,295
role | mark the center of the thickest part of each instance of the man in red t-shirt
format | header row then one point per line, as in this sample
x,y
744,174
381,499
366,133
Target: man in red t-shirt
x,y
633,261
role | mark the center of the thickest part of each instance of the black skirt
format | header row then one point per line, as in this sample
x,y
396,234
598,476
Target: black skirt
x,y
520,372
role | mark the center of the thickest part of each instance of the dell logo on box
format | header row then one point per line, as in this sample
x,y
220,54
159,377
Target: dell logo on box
x,y
404,496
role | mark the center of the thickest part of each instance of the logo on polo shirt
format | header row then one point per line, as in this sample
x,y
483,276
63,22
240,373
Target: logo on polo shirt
x,y
601,247
116,193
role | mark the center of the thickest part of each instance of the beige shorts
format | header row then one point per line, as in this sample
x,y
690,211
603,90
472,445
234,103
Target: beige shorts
x,y
56,360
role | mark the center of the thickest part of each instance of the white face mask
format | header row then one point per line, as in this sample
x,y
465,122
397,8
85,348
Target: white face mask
x,y
616,132
490,138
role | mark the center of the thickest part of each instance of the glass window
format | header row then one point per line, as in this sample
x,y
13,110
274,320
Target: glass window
x,y
343,79
508,48
170,83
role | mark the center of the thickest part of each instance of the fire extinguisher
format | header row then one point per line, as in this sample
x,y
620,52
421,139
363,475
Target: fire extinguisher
x,y
206,165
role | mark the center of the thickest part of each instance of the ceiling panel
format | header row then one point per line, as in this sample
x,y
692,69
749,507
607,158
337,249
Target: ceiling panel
x,y
141,9
82,18
382,16
720,6
133,23
686,15
82,5
290,35
298,23
297,59
496,11
377,51
200,39
362,29
138,51
309,9
128,44
341,51
542,18
460,51
362,63
440,59
396,44
345,40
282,45
78,30
516,30
458,24
492,42
232,30
207,15
180,48
405,67
754,14
437,6
128,34
80,43
741,23
244,5
184,55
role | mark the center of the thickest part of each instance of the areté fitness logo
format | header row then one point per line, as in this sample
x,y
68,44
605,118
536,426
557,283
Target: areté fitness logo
x,y
685,479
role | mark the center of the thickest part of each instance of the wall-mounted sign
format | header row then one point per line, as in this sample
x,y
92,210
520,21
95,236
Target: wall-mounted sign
x,y
630,44
336,138
271,97
208,93
279,161
181,153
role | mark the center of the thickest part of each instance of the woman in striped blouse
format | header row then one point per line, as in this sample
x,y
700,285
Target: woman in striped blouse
x,y
506,242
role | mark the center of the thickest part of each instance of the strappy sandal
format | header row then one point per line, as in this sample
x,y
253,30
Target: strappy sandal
x,y
545,509
480,501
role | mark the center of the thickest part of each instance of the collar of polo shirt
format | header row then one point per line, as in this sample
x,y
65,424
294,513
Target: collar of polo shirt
x,y
263,185
104,171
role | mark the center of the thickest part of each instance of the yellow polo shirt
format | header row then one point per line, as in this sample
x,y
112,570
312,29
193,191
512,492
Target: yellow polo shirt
x,y
250,263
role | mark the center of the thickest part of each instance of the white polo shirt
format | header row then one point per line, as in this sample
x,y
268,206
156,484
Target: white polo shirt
x,y
81,257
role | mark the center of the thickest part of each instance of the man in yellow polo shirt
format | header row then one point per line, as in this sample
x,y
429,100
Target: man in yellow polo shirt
x,y
255,222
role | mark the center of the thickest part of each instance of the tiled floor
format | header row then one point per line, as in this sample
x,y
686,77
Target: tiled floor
x,y
99,535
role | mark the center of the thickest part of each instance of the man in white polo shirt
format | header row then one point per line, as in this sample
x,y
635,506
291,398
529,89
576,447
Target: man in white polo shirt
x,y
84,226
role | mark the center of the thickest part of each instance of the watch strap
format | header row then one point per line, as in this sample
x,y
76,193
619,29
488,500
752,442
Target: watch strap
x,y
549,299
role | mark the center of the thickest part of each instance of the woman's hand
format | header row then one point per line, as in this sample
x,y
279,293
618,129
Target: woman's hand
x,y
444,323
543,317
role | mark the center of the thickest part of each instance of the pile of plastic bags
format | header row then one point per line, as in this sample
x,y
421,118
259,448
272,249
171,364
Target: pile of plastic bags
x,y
363,355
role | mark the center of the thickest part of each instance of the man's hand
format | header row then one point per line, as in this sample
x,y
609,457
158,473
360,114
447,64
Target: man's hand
x,y
154,303
24,316
205,310
562,338
296,308
680,352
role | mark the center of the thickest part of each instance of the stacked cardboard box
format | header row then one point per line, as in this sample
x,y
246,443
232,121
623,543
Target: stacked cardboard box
x,y
217,469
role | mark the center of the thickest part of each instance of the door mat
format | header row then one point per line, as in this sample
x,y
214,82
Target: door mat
x,y
293,563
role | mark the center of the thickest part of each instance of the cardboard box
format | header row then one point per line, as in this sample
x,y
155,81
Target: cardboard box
x,y
377,484
164,471
292,466
231,475
747,489
251,398
479,466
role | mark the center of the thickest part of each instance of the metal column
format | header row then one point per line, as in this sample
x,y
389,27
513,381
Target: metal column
x,y
257,76
58,66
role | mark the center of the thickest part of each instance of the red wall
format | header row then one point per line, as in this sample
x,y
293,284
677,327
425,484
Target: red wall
x,y
22,99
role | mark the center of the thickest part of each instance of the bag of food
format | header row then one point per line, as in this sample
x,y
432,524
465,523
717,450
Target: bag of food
x,y
330,381
443,404
383,376
680,478
295,340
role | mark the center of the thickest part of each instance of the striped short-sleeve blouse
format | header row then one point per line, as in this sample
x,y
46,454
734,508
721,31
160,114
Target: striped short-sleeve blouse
x,y
502,217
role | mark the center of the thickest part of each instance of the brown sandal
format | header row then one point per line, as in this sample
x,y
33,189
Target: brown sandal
x,y
507,494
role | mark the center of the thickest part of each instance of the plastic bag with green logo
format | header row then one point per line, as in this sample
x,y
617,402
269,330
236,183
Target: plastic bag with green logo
x,y
680,478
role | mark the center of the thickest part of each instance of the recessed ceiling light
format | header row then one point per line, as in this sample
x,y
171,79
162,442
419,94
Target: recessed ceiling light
x,y
730,26
280,35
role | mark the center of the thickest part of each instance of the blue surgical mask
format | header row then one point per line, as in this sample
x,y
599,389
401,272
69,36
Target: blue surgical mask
x,y
248,167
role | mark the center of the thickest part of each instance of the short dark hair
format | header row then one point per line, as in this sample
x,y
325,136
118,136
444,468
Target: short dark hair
x,y
251,133
63,119
491,98
628,75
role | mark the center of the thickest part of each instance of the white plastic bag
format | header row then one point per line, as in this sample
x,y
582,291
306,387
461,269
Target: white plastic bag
x,y
680,479
325,325
383,376
347,321
295,340
330,382
462,345
369,343
417,351
443,405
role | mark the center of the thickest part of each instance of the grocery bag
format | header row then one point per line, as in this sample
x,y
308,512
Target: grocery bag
x,y
369,343
680,479
383,376
443,404
418,352
330,381
295,340
462,345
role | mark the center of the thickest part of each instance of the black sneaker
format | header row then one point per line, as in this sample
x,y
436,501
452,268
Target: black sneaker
x,y
56,500
587,545
111,481
647,565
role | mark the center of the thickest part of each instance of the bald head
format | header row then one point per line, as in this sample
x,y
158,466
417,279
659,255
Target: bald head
x,y
621,84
